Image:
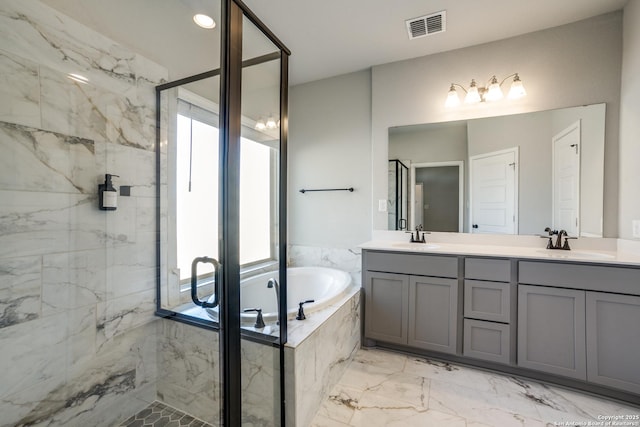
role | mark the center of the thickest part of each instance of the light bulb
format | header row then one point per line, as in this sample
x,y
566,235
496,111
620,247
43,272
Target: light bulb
x,y
453,100
494,92
271,123
260,125
204,21
473,96
517,89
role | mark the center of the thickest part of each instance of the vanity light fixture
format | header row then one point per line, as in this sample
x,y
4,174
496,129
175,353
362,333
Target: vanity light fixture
x,y
491,92
204,21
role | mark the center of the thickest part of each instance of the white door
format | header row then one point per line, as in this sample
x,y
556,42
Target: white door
x,y
494,190
566,180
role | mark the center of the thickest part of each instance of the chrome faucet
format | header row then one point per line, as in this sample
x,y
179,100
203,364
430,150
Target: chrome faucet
x,y
273,284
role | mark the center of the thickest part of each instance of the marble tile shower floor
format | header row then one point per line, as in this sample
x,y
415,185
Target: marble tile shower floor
x,y
382,388
160,415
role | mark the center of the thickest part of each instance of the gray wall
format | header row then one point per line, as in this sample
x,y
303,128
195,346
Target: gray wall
x,y
533,134
329,147
629,123
575,64
591,164
534,141
428,145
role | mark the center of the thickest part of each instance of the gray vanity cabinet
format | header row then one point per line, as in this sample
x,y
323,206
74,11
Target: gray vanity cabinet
x,y
411,300
551,330
613,340
433,313
592,313
489,315
386,300
575,320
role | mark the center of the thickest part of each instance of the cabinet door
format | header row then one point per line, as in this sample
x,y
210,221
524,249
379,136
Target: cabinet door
x,y
433,313
386,300
551,330
613,340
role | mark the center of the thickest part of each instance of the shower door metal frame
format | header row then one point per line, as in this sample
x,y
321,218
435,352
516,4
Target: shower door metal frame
x,y
230,72
399,200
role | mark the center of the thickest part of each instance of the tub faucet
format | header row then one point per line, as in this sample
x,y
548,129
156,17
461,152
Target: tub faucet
x,y
273,284
259,319
301,315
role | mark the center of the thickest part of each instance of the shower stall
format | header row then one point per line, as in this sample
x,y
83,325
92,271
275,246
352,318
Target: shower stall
x,y
105,317
221,217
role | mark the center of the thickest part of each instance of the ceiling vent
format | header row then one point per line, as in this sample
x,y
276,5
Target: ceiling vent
x,y
427,25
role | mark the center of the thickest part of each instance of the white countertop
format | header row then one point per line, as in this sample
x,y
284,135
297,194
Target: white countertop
x,y
598,251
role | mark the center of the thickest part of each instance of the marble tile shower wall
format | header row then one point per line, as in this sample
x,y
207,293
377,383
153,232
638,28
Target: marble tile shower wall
x,y
77,285
192,383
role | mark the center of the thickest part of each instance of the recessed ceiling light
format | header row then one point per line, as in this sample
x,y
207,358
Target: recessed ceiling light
x,y
204,21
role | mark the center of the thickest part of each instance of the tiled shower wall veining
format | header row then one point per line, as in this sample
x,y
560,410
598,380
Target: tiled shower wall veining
x,y
77,285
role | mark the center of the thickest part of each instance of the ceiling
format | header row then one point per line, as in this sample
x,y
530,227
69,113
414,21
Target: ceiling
x,y
328,37
333,37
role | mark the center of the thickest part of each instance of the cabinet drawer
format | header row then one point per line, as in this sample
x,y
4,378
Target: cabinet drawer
x,y
487,300
487,340
406,263
587,277
487,269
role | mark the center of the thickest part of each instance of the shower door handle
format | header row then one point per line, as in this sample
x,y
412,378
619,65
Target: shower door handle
x,y
194,282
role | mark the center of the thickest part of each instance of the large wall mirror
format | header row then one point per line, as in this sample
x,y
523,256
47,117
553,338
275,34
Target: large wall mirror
x,y
514,174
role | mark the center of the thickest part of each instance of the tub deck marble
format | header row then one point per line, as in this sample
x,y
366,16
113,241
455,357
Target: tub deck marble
x,y
297,330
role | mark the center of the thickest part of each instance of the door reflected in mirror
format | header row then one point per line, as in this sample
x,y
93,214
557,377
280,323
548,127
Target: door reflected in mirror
x,y
554,176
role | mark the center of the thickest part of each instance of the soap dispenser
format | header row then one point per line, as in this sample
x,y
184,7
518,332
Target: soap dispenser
x,y
107,194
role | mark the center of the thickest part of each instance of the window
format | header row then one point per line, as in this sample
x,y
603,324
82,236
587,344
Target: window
x,y
196,193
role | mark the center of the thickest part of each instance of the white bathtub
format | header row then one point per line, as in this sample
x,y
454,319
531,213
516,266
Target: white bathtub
x,y
323,285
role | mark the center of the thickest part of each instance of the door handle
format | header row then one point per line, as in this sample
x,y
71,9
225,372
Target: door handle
x,y
194,282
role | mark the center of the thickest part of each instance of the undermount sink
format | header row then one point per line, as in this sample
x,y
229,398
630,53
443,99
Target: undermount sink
x,y
415,246
575,254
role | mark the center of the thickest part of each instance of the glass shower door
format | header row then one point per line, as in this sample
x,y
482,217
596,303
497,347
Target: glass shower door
x,y
189,166
221,229
262,227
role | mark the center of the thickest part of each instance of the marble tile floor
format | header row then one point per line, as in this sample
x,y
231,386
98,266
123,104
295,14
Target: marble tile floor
x,y
383,388
160,415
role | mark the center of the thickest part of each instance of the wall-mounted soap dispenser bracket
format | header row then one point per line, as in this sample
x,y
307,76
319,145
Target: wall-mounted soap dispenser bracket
x,y
107,194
